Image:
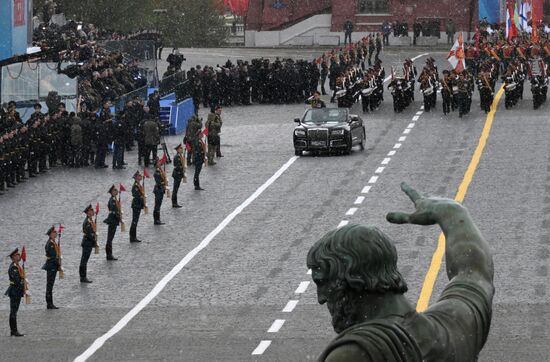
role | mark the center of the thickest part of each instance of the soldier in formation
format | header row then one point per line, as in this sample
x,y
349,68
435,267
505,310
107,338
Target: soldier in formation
x,y
16,290
89,242
113,219
52,265
178,174
214,125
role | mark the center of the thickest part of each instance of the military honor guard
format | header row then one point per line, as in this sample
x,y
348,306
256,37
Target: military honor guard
x,y
214,126
16,290
159,190
138,204
113,220
199,154
52,265
89,242
178,174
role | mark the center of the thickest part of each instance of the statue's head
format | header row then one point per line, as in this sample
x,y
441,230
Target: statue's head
x,y
349,265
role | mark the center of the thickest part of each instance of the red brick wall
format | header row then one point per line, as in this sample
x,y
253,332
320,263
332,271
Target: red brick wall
x,y
404,10
262,16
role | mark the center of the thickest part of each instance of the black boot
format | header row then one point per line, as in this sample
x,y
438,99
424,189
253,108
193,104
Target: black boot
x,y
156,217
175,203
83,279
109,252
13,327
133,237
49,302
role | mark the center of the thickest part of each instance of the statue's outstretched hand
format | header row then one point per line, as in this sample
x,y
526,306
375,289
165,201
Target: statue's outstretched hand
x,y
429,210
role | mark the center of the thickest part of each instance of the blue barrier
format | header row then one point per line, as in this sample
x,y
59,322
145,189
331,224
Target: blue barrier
x,y
184,110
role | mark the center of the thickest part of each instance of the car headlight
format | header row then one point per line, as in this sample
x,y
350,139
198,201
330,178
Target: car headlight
x,y
300,133
338,132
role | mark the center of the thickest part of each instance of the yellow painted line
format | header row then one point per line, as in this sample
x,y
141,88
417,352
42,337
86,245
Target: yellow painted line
x,y
437,258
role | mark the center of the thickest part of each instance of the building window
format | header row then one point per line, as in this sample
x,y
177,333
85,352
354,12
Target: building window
x,y
373,6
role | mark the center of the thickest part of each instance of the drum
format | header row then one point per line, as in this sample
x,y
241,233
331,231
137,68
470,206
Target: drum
x,y
455,89
341,93
367,91
428,91
511,86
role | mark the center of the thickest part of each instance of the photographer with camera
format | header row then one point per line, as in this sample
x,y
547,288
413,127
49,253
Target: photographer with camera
x,y
175,59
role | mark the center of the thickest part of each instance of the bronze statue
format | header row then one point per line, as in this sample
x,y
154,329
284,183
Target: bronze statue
x,y
355,270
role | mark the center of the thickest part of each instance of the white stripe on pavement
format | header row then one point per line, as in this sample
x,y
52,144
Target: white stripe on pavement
x,y
275,327
351,211
366,189
289,307
261,347
359,200
98,343
342,223
302,288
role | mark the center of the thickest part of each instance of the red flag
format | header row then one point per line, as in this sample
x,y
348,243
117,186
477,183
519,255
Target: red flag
x,y
187,146
205,132
477,39
146,173
97,208
121,187
534,30
24,254
163,159
61,228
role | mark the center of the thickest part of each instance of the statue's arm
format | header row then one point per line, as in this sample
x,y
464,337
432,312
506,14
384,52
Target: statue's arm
x,y
467,254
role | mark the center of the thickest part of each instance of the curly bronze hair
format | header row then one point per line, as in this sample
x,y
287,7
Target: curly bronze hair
x,y
360,257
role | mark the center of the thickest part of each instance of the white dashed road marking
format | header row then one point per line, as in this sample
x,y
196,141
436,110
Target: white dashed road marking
x,y
342,223
359,200
351,211
277,324
302,288
261,347
289,307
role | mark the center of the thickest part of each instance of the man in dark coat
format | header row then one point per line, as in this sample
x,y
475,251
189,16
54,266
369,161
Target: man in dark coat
x,y
113,219
89,241
348,29
138,204
52,265
16,290
151,137
180,165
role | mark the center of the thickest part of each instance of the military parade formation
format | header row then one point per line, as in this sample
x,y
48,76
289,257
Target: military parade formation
x,y
354,73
